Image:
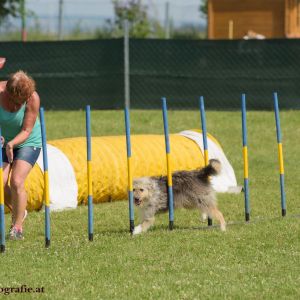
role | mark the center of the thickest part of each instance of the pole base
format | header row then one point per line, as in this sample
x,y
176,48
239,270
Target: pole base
x,y
47,243
2,248
91,237
209,222
283,212
131,226
171,225
247,217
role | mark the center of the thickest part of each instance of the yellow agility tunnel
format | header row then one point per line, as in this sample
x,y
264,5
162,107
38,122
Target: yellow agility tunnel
x,y
67,160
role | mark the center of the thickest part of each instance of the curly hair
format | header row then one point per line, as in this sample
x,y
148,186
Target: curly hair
x,y
20,86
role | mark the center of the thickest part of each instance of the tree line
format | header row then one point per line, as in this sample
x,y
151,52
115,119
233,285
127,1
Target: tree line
x,y
140,24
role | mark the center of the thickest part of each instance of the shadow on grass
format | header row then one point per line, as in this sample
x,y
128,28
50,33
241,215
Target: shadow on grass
x,y
238,223
256,220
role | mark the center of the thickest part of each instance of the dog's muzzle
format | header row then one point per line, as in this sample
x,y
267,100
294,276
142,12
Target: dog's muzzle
x,y
137,201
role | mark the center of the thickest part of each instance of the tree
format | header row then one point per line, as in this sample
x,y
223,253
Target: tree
x,y
136,14
203,7
9,8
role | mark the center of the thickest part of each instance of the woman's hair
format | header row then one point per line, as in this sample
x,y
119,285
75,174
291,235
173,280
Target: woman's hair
x,y
20,86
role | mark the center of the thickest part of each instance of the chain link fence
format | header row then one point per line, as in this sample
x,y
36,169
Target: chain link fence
x,y
70,75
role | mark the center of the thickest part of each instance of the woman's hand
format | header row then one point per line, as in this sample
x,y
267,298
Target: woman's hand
x,y
9,152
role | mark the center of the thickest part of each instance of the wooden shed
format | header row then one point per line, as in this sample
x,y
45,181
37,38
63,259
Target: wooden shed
x,y
233,19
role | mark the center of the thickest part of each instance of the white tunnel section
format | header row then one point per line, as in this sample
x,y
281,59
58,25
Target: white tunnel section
x,y
63,188
225,182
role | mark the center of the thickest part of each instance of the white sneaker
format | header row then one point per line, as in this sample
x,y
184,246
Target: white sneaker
x,y
15,234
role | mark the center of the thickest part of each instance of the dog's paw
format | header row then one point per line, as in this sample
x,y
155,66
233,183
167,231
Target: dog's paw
x,y
203,217
137,230
223,227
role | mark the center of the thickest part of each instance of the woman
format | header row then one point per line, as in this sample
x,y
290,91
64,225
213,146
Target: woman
x,y
19,107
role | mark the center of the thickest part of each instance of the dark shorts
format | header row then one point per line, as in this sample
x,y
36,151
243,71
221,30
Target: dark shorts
x,y
29,154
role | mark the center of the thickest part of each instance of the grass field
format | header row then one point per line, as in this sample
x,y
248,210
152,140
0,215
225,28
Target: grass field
x,y
259,260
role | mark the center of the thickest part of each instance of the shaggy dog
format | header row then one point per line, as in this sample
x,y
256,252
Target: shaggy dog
x,y
191,189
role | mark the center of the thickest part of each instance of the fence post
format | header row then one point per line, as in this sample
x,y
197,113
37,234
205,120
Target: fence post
x,y
23,21
60,19
167,20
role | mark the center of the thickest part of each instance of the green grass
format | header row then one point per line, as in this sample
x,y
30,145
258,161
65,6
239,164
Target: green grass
x,y
259,260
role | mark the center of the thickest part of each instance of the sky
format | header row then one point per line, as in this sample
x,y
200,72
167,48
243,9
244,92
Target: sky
x,y
95,12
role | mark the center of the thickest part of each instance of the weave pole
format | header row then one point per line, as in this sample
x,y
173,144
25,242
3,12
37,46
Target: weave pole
x,y
169,169
280,155
89,173
2,215
245,158
205,145
46,180
129,170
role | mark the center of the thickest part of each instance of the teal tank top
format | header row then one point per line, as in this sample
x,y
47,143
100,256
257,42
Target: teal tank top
x,y
11,125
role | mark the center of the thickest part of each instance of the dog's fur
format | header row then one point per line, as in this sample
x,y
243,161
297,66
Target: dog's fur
x,y
191,189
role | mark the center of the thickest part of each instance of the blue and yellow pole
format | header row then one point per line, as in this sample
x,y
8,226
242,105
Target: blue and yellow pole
x,y
280,155
46,180
245,158
129,170
205,145
2,217
89,173
169,168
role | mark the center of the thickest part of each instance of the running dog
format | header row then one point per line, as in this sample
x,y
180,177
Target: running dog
x,y
191,189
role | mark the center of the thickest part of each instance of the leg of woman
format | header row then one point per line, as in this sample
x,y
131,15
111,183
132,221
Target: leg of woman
x,y
19,173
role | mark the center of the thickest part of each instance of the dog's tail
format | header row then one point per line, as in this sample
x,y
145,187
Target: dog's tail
x,y
212,169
